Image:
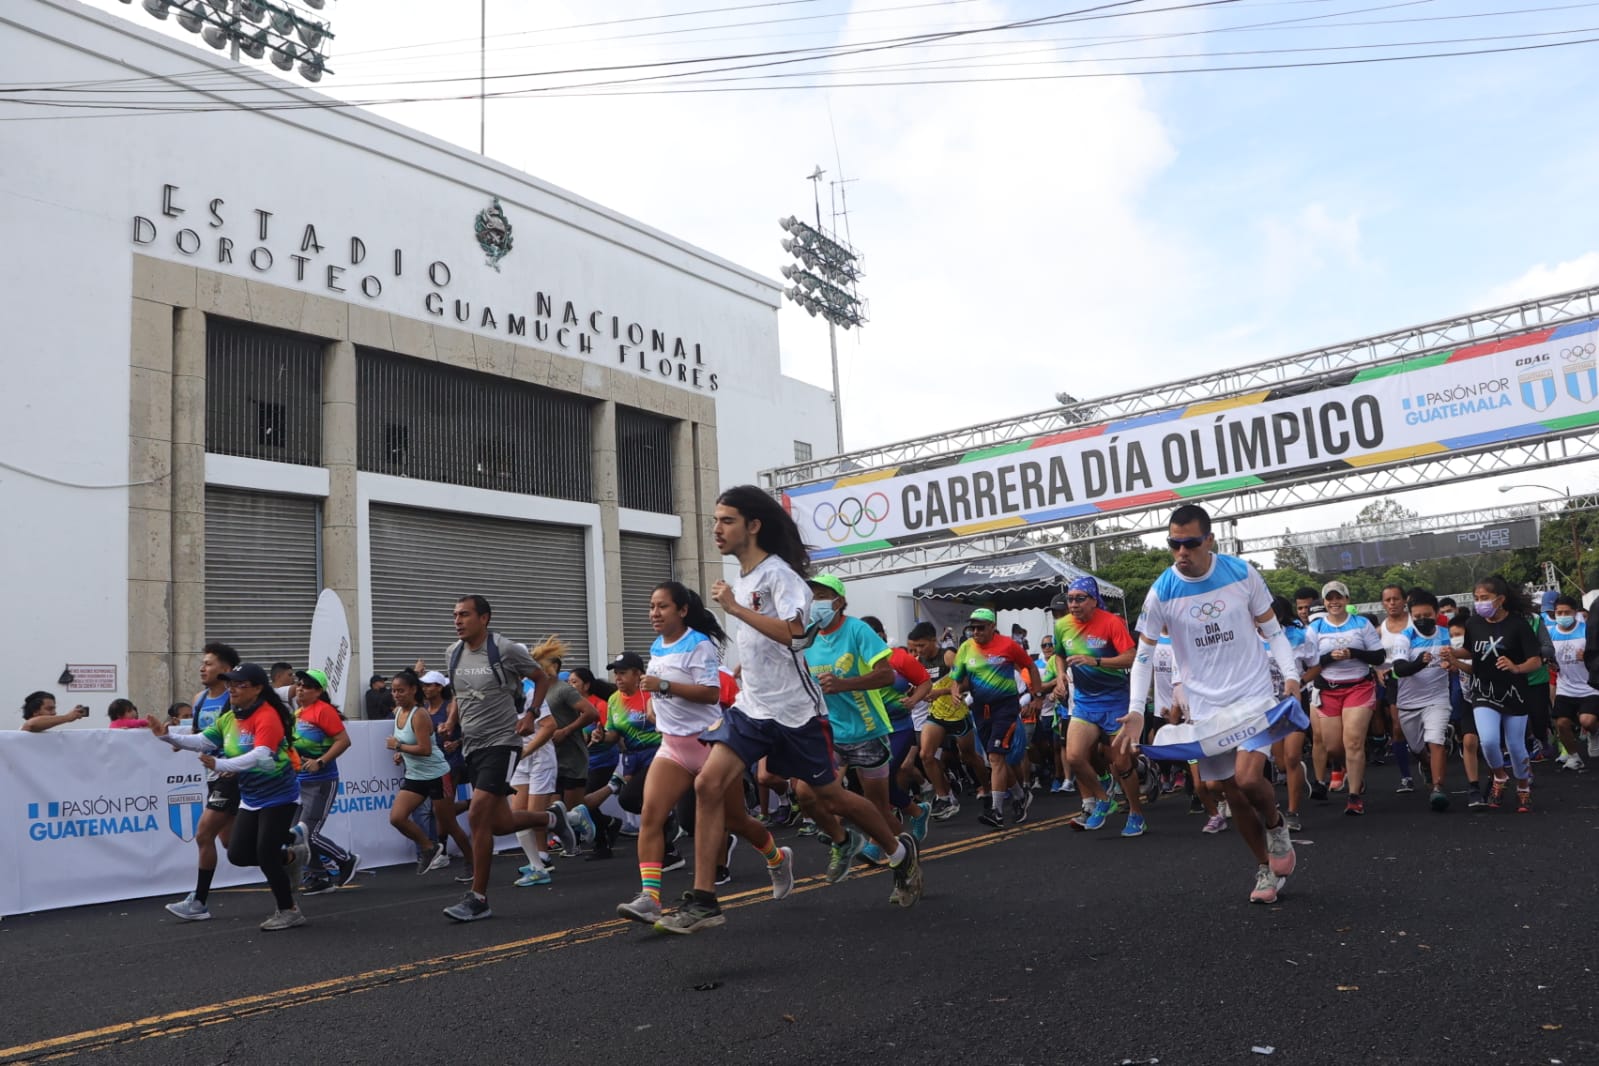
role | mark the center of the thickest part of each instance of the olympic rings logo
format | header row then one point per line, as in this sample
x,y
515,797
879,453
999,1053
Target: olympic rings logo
x,y
1578,351
851,517
1207,610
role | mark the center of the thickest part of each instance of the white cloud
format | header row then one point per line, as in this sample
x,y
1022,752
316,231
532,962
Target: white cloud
x,y
1545,280
1312,241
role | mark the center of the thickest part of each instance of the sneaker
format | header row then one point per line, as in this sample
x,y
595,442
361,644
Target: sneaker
x,y
1057,788
646,908
1593,745
563,829
352,866
424,862
1574,763
908,874
1265,886
673,860
1355,806
1337,782
319,886
692,915
190,909
1439,800
807,828
531,878
1020,807
281,920
1291,820
1478,800
873,855
464,877
841,857
1223,809
1496,794
1194,806
1070,786
724,876
299,857
1523,801
782,874
440,861
471,908
1179,781
1318,791
1406,784
1135,826
1215,824
582,823
920,821
1102,811
992,818
1280,855
945,807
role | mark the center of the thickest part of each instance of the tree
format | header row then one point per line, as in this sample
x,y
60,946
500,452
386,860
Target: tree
x,y
1378,512
1290,556
1135,571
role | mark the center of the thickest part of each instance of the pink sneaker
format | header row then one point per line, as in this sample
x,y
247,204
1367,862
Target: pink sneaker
x,y
1265,886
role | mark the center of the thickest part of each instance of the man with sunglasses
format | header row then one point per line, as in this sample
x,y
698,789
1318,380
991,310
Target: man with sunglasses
x,y
1094,646
1216,608
990,667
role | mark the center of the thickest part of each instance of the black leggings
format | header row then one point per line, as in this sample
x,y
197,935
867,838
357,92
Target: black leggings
x,y
631,800
259,838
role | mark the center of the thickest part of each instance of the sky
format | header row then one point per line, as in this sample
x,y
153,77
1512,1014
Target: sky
x,y
1093,208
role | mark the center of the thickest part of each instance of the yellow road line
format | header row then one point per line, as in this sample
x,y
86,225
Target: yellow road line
x,y
175,1022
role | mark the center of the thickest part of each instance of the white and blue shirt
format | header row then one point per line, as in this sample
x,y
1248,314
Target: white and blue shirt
x,y
1572,680
689,660
1354,633
1429,687
1215,643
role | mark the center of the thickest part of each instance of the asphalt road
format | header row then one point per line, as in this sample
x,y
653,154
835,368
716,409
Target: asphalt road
x,y
1405,937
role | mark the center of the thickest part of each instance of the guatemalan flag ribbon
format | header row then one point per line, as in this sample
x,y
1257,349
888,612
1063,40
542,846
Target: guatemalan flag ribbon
x,y
1246,726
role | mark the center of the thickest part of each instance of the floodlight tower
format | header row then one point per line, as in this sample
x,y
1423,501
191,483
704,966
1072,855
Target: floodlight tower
x,y
258,28
824,280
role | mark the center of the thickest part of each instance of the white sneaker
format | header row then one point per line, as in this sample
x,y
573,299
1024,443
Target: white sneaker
x,y
1593,745
283,920
1574,763
441,860
190,909
783,874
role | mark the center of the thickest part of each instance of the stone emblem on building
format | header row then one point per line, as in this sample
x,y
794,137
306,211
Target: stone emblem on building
x,y
493,233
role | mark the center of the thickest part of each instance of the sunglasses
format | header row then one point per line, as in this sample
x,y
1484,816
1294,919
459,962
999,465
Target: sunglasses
x,y
1190,543
1079,599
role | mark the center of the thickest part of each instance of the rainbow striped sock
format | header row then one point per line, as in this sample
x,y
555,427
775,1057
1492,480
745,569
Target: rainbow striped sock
x,y
769,852
649,875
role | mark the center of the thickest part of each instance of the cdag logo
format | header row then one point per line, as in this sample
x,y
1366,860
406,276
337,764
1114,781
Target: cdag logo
x,y
852,516
185,805
1537,381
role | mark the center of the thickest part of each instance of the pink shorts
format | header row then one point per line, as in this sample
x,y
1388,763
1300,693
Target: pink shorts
x,y
1334,700
687,752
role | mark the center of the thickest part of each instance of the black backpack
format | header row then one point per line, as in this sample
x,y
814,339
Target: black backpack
x,y
492,647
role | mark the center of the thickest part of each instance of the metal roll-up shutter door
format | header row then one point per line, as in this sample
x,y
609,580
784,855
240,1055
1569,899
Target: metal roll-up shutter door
x,y
534,576
646,562
263,573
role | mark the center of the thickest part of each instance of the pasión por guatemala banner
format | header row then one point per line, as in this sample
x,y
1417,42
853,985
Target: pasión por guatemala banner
x,y
1465,399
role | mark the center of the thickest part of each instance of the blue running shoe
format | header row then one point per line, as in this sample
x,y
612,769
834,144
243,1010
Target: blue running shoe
x,y
920,821
872,854
1096,818
1135,826
533,877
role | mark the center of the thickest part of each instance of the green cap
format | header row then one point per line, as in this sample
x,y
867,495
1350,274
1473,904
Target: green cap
x,y
983,614
828,581
316,677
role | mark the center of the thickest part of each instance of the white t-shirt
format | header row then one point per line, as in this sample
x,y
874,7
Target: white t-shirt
x,y
1572,679
1216,648
777,685
1353,632
689,660
1429,687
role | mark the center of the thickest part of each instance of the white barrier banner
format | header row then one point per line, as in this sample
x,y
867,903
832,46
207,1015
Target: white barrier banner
x,y
94,816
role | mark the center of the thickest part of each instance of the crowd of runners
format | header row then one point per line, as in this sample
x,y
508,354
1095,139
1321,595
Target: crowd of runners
x,y
829,729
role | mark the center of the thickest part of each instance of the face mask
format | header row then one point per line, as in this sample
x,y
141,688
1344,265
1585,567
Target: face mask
x,y
1484,608
1457,642
1426,626
823,612
1566,621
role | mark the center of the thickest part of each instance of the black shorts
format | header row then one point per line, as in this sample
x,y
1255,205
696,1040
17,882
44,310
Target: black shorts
x,y
432,789
489,769
953,730
804,752
996,722
564,783
1572,708
222,795
1465,723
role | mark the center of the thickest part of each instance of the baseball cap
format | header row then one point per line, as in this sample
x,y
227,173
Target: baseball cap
x,y
983,614
626,661
433,677
315,677
829,582
1335,586
249,673
1058,603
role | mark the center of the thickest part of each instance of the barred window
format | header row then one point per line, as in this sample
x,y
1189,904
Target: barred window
x,y
644,460
431,422
263,393
802,451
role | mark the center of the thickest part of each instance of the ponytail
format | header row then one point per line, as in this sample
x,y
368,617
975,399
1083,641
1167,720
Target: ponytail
x,y
695,614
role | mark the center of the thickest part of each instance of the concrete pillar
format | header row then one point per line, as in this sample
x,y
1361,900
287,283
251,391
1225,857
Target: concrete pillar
x,y
188,500
150,428
687,553
607,493
340,544
707,478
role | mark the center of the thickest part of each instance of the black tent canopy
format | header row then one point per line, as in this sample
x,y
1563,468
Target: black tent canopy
x,y
1011,582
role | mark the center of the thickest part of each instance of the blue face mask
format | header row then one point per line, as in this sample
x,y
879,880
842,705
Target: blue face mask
x,y
1566,621
823,612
